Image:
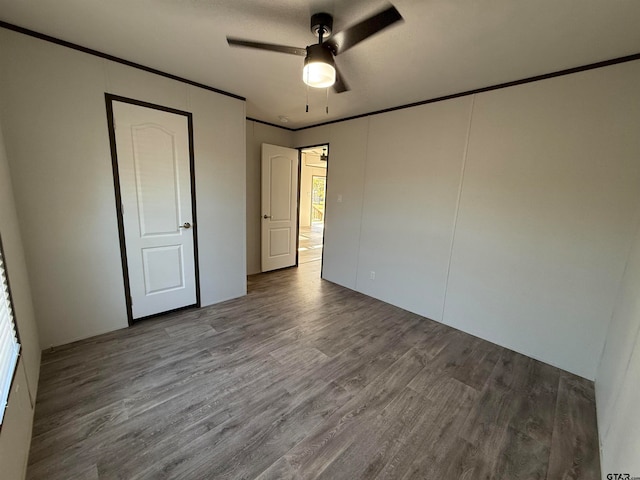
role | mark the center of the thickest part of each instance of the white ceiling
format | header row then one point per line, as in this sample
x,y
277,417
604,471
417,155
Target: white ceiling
x,y
443,46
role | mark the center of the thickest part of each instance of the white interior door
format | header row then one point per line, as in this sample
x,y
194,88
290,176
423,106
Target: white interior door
x,y
279,206
155,186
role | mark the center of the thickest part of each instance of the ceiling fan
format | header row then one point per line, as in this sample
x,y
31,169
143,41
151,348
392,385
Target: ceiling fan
x,y
319,66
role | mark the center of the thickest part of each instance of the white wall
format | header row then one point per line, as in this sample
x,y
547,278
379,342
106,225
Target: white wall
x,y
57,143
618,378
549,202
507,214
343,203
15,435
257,134
413,170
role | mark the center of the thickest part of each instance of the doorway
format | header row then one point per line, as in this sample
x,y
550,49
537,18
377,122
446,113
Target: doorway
x,y
312,212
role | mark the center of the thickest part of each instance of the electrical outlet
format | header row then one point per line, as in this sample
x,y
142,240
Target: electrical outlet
x,y
372,275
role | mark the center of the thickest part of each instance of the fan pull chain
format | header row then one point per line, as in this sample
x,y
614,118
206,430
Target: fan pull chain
x,y
307,92
327,107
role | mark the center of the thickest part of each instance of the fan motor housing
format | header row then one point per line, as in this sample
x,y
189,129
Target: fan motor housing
x,y
319,53
322,21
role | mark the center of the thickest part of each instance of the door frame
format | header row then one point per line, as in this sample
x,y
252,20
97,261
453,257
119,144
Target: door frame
x,y
315,145
109,99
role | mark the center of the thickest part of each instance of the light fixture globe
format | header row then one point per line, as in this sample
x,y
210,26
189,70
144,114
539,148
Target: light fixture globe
x,y
319,68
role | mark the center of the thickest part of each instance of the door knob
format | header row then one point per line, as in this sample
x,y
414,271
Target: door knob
x,y
266,216
185,225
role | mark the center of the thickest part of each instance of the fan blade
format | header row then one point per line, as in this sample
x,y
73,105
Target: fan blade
x,y
340,85
353,35
237,42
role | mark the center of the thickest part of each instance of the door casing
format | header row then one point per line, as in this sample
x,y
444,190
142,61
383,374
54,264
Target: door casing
x,y
109,99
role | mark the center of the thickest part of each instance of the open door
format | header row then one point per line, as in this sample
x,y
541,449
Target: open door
x,y
279,207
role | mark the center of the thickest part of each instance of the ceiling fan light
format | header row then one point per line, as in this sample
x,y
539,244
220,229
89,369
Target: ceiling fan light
x,y
319,75
319,70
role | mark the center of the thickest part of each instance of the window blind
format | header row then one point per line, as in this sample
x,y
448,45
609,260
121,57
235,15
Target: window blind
x,y
9,346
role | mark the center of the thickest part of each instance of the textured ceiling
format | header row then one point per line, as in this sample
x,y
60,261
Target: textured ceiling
x,y
443,46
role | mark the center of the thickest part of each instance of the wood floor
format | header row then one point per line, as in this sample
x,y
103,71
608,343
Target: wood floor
x,y
310,243
304,379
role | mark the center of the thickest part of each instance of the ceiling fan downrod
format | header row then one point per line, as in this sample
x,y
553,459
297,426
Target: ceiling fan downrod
x,y
321,26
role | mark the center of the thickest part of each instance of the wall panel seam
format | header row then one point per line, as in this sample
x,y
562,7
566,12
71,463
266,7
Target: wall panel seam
x,y
364,186
616,394
457,210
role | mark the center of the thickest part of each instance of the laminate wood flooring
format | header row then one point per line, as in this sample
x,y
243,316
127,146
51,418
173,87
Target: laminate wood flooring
x,y
310,243
304,379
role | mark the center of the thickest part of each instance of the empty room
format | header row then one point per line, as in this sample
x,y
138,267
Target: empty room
x,y
320,239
